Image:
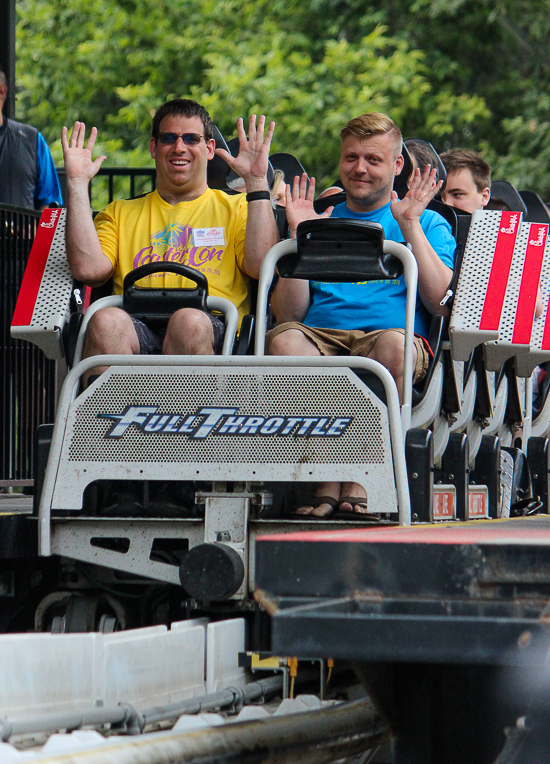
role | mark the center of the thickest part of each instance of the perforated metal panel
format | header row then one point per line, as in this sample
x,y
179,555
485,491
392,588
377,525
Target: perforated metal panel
x,y
496,353
52,303
464,330
540,340
51,308
277,448
537,334
508,317
269,396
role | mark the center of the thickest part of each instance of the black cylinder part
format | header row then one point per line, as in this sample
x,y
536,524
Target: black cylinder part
x,y
211,572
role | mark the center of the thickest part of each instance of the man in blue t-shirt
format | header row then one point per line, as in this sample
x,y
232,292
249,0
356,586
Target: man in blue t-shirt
x,y
366,319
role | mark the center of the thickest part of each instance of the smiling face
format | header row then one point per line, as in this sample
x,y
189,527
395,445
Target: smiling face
x,y
461,192
367,170
181,169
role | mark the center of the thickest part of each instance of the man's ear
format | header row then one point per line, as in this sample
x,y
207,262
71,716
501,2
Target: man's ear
x,y
399,162
211,146
3,93
152,147
485,196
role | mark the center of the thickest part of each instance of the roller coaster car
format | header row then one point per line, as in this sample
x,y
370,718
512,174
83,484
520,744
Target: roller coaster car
x,y
247,433
242,431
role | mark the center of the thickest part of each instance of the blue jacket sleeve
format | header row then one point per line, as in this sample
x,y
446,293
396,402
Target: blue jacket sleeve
x,y
47,189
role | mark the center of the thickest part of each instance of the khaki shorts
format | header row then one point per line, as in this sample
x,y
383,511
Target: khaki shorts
x,y
341,342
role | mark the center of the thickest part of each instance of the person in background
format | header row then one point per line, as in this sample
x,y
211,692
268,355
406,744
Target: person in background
x,y
421,154
278,189
468,184
27,173
330,191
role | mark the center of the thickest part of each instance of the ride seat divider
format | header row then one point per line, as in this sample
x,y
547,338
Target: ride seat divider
x,y
540,335
43,304
483,280
518,313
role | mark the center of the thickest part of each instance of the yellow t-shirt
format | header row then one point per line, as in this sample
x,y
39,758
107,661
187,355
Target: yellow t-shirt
x,y
206,234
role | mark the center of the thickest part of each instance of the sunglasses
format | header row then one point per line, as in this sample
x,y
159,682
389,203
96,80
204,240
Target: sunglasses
x,y
170,139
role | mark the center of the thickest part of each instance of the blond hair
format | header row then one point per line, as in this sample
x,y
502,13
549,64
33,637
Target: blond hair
x,y
371,124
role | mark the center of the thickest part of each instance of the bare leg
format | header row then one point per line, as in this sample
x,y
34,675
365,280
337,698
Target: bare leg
x,y
292,342
109,332
389,350
189,332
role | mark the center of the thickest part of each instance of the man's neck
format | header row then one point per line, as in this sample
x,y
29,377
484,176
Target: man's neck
x,y
355,206
175,197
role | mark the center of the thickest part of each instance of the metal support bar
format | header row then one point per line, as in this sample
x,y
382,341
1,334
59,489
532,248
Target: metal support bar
x,y
399,251
313,736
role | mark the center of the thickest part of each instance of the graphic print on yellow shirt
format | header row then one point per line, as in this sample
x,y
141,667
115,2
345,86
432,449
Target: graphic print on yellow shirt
x,y
206,234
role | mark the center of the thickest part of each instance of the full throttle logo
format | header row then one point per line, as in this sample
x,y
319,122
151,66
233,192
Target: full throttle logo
x,y
222,421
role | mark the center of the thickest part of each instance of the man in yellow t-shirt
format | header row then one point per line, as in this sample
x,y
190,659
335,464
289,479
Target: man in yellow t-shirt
x,y
225,237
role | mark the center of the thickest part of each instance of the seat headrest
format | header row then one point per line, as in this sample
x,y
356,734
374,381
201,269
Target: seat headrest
x,y
217,169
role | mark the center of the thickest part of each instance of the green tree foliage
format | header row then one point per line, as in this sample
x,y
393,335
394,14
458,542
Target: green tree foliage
x,y
458,72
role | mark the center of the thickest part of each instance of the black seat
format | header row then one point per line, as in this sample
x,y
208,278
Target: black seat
x,y
505,191
218,169
448,213
537,211
359,246
401,182
320,205
288,164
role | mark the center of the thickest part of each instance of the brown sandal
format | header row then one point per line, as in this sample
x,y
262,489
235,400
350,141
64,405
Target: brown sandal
x,y
317,501
360,501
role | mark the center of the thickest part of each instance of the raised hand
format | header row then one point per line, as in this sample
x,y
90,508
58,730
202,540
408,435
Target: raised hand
x,y
299,203
422,190
252,160
77,157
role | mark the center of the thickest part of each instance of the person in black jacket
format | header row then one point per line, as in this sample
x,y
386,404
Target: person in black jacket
x,y
27,174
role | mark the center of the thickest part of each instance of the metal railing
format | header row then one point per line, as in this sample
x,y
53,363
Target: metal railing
x,y
27,378
115,183
144,175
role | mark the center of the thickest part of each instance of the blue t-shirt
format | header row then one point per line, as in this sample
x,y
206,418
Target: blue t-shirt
x,y
372,305
47,189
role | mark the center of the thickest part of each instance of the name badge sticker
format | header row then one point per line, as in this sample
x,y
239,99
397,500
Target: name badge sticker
x,y
206,237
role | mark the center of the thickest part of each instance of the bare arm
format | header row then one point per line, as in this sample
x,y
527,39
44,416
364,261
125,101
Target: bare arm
x,y
433,275
251,164
290,299
86,259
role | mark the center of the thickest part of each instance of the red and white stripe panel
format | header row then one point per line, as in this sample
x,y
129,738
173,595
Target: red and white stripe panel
x,y
44,296
540,336
483,280
518,313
